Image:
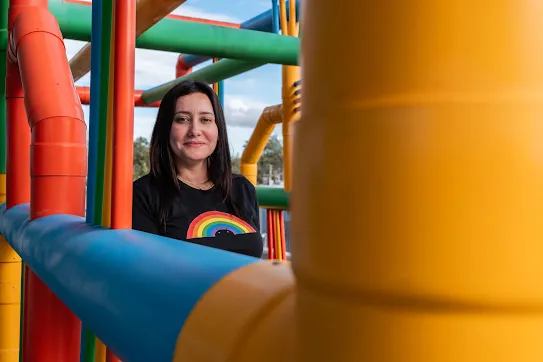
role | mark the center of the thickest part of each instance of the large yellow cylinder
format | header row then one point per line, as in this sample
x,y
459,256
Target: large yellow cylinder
x,y
418,189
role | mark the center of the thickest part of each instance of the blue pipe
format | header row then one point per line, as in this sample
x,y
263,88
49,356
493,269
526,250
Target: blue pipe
x,y
275,16
96,36
262,22
132,289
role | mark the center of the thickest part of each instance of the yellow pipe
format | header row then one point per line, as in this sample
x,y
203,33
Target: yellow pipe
x,y
292,16
10,295
290,74
283,17
148,13
10,302
264,127
99,351
436,115
108,175
258,327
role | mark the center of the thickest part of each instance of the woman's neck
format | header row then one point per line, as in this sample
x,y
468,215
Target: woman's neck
x,y
196,173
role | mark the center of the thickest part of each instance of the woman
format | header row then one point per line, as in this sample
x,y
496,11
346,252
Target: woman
x,y
190,193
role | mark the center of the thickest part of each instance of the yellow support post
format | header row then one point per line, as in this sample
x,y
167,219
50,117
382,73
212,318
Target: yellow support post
x,y
422,166
10,295
290,75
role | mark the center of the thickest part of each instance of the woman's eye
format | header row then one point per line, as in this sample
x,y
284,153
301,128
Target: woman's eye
x,y
206,120
182,119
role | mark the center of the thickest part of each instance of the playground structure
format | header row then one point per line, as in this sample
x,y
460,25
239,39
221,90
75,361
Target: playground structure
x,y
105,183
436,248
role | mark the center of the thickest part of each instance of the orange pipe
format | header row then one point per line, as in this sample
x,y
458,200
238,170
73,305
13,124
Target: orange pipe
x,y
123,131
84,96
58,169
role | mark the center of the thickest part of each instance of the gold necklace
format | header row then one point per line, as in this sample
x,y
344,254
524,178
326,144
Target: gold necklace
x,y
206,185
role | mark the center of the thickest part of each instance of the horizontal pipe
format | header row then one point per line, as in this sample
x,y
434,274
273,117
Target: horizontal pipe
x,y
273,197
142,283
193,38
169,16
84,96
223,69
262,22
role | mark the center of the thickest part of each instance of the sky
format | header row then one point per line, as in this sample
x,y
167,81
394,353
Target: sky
x,y
246,95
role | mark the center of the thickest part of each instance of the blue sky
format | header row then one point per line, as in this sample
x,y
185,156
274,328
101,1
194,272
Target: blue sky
x,y
245,95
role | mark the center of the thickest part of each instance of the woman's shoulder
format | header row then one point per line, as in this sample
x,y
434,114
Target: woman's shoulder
x,y
143,181
145,185
241,182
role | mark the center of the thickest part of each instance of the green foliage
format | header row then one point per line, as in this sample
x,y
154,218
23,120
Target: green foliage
x,y
141,157
270,164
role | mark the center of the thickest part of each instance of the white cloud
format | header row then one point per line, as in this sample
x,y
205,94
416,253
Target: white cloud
x,y
187,10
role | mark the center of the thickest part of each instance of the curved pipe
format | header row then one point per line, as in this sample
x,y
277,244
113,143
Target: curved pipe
x,y
259,138
58,167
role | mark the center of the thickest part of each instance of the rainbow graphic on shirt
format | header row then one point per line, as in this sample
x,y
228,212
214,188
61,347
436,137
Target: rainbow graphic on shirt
x,y
214,223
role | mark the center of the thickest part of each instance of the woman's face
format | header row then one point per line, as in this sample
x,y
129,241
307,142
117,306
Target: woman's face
x,y
194,133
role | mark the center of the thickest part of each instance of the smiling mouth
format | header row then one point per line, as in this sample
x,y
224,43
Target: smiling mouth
x,y
194,144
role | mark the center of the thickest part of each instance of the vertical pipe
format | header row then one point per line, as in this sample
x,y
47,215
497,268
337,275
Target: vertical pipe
x,y
125,35
275,16
449,173
17,156
123,119
96,39
58,184
88,340
291,74
107,19
10,262
108,164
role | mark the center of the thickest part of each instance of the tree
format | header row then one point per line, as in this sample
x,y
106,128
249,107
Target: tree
x,y
141,157
236,163
270,164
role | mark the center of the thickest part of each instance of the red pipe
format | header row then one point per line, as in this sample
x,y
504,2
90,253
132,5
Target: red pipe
x,y
17,135
182,68
84,96
58,169
123,114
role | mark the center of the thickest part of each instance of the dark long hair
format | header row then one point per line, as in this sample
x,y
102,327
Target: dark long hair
x,y
163,167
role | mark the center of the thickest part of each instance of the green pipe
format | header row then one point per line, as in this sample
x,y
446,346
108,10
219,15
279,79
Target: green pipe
x,y
105,48
4,5
223,69
182,36
273,198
